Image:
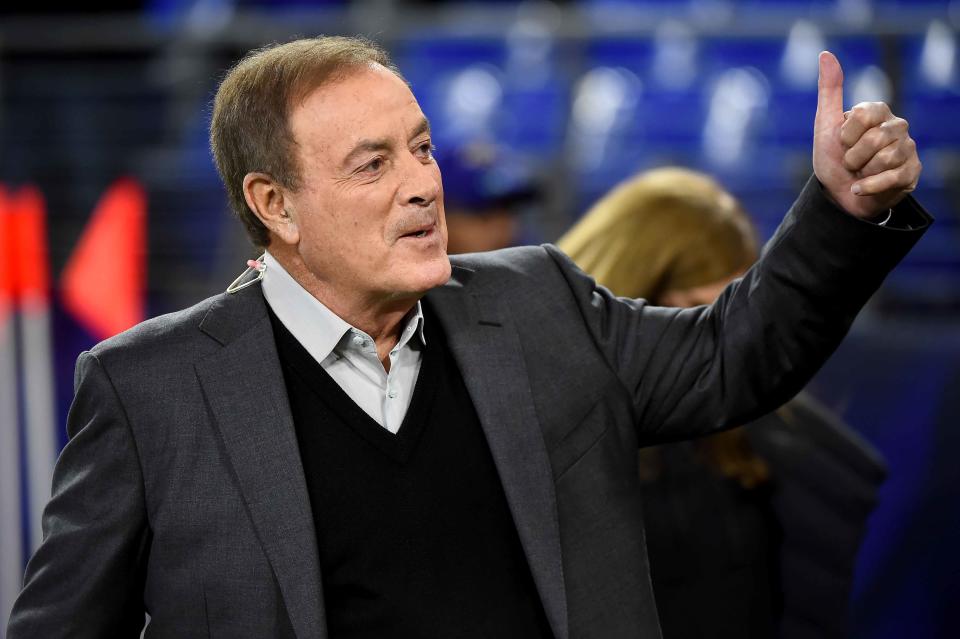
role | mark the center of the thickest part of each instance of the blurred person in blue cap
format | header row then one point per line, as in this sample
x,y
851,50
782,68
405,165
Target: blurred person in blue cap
x,y
486,189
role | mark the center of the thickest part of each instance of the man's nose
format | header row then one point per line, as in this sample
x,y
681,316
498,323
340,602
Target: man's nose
x,y
421,182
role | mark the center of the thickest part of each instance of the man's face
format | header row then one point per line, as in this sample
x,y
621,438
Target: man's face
x,y
369,211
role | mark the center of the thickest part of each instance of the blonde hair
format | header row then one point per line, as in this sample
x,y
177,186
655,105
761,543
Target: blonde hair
x,y
671,229
665,229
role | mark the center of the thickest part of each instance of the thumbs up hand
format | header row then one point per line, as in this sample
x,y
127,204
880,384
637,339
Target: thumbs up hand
x,y
864,158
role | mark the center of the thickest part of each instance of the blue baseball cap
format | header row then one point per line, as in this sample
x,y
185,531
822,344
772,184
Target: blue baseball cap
x,y
479,175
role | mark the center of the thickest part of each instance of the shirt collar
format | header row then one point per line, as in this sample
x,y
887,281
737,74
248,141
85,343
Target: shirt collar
x,y
314,325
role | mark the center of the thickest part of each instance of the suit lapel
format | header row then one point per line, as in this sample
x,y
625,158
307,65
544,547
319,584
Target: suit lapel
x,y
487,349
244,386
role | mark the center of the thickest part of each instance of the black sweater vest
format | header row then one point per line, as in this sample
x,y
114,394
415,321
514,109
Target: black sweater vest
x,y
413,530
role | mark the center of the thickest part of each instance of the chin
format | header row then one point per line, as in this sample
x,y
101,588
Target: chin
x,y
417,281
432,274
419,275
437,272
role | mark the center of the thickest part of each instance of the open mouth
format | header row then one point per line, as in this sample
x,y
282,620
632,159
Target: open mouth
x,y
418,234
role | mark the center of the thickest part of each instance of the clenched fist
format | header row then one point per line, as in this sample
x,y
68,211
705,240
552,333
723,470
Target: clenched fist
x,y
863,157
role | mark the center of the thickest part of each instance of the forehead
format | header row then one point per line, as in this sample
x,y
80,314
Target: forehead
x,y
370,102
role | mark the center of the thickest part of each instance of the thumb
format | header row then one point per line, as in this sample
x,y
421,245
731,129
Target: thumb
x,y
830,87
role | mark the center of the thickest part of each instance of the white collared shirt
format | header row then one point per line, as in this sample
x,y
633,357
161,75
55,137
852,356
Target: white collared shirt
x,y
348,354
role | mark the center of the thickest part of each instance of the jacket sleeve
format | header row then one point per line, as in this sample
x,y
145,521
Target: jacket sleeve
x,y
86,578
694,371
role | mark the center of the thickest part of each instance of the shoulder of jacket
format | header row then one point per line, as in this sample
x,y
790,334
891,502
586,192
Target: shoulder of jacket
x,y
162,333
519,262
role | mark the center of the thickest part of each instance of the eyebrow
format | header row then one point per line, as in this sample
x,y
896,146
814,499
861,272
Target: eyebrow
x,y
383,144
423,127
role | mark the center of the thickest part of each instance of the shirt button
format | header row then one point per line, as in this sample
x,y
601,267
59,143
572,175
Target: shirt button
x,y
391,393
358,340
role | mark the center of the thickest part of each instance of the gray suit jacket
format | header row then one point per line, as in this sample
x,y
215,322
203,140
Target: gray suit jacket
x,y
181,490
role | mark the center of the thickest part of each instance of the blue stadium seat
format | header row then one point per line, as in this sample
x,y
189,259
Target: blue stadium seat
x,y
931,86
663,123
430,64
449,75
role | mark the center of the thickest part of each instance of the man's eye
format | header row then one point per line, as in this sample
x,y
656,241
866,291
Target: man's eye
x,y
426,150
373,166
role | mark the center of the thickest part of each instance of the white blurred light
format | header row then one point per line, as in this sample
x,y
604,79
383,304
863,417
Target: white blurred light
x,y
545,12
675,55
870,85
739,96
855,13
601,95
939,54
473,98
711,12
207,17
799,66
529,50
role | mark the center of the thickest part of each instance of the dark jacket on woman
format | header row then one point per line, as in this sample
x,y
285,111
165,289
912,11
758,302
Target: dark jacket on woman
x,y
774,560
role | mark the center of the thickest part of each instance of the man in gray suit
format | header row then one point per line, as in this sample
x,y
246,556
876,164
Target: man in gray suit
x,y
359,440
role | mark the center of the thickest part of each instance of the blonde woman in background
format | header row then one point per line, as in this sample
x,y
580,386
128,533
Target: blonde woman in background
x,y
752,532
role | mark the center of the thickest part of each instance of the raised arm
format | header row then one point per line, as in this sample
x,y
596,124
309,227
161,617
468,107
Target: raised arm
x,y
697,370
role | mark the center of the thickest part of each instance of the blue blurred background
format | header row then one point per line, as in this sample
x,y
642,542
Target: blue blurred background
x,y
587,92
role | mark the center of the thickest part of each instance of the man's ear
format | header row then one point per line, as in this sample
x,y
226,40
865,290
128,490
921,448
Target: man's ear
x,y
266,199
